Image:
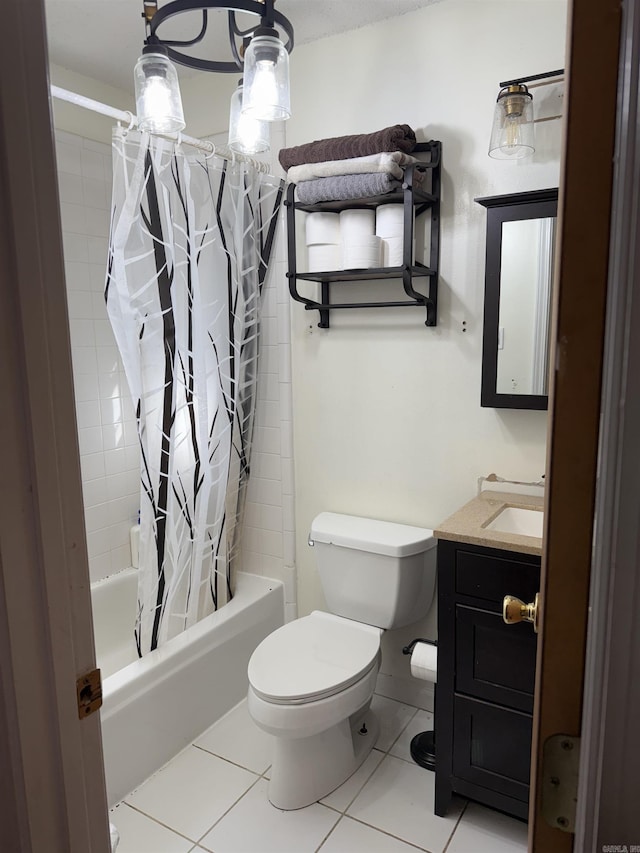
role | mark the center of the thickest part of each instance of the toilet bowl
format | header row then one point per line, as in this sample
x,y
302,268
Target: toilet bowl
x,y
311,682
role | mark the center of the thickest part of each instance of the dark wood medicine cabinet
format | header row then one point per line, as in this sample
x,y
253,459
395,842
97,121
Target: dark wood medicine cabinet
x,y
520,252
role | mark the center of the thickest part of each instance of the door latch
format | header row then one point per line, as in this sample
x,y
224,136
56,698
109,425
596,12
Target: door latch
x,y
89,693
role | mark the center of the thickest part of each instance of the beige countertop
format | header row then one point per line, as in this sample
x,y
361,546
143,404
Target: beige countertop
x,y
468,524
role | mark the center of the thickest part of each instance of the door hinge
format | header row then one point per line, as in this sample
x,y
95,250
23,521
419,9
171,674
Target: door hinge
x,y
560,759
89,693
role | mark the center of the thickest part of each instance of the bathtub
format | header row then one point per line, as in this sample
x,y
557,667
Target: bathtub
x,y
155,706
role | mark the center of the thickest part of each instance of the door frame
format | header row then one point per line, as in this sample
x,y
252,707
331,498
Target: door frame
x,y
580,290
52,783
607,800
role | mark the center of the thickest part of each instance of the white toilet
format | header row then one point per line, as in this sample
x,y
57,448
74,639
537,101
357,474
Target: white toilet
x,y
311,681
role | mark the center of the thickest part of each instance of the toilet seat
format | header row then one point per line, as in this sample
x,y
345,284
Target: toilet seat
x,y
313,658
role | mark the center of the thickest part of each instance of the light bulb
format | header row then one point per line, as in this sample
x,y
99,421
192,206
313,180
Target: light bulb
x,y
246,134
158,101
266,77
512,135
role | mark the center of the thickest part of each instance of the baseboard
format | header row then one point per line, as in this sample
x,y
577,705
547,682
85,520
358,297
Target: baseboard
x,y
411,691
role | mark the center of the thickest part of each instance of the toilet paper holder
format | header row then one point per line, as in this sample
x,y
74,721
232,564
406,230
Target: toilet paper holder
x,y
408,650
423,745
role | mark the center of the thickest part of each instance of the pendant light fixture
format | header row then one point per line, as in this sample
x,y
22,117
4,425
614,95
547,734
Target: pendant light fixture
x,y
266,75
158,101
512,133
262,56
247,135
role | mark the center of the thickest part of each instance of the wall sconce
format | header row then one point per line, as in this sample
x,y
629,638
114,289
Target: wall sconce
x,y
512,133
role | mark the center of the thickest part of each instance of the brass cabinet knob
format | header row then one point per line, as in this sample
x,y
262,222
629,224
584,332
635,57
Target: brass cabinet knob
x,y
514,610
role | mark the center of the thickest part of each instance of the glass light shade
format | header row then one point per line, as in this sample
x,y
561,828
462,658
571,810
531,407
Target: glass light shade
x,y
512,134
266,79
247,135
158,101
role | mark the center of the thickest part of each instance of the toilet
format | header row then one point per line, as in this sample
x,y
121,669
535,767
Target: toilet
x,y
311,682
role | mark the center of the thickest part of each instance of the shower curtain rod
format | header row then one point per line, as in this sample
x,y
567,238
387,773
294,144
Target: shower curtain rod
x,y
132,121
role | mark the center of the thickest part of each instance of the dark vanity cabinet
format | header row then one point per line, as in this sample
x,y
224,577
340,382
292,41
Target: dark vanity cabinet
x,y
486,675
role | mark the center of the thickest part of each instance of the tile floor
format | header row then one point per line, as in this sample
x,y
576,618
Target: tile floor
x,y
213,798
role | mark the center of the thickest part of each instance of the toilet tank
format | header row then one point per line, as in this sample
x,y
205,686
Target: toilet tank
x,y
376,572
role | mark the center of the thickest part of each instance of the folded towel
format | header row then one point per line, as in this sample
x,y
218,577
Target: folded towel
x,y
346,186
387,161
398,137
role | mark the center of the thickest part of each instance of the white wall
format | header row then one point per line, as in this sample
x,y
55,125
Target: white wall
x,y
387,416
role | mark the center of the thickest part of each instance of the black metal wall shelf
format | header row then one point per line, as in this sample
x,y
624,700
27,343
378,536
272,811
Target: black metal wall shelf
x,y
415,200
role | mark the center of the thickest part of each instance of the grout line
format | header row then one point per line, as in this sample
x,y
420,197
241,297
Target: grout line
x,y
228,760
390,834
155,820
329,833
222,816
455,828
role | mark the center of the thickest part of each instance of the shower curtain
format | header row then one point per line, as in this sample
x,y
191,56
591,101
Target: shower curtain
x,y
191,236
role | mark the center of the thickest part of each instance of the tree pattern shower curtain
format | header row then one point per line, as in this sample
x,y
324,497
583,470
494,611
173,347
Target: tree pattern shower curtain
x,y
191,236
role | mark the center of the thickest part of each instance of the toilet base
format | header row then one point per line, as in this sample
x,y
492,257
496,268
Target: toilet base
x,y
305,770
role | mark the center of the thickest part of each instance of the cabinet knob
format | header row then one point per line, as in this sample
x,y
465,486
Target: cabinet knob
x,y
514,610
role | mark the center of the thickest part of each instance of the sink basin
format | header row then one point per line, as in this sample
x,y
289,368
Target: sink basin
x,y
514,519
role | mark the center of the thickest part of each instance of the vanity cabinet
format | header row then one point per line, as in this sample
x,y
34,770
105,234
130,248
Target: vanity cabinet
x,y
486,676
416,200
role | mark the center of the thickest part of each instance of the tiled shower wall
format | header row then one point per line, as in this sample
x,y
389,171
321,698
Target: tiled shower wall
x,y
109,453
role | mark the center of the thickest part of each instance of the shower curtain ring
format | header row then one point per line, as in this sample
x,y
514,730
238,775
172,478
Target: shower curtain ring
x,y
132,121
212,152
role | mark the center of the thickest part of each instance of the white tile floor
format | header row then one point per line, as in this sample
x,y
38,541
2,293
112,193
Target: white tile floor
x,y
213,797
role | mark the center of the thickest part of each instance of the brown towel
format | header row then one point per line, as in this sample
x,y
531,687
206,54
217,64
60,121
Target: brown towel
x,y
398,137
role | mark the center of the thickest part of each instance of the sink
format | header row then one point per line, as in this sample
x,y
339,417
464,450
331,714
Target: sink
x,y
514,519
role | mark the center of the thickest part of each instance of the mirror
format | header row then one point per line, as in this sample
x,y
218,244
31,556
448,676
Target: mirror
x,y
520,251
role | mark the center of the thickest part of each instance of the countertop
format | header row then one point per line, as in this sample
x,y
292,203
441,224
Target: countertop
x,y
467,523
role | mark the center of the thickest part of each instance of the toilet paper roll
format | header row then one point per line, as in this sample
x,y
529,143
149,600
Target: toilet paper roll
x,y
324,256
357,223
424,662
390,220
393,251
322,227
364,254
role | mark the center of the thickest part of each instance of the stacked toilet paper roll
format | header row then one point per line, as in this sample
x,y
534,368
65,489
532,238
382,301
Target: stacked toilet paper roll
x,y
424,662
361,247
322,236
390,228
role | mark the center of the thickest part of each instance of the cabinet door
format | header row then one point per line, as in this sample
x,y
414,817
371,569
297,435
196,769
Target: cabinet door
x,y
495,661
492,747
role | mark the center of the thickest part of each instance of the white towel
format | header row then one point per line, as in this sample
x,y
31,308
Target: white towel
x,y
389,161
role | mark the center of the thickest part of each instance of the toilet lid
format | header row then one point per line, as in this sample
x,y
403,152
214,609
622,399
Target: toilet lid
x,y
312,657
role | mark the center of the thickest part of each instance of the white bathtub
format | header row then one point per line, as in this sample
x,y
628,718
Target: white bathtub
x,y
155,706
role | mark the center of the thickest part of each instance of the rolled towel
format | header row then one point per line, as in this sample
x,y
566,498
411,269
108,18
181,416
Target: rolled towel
x,y
397,137
387,161
346,186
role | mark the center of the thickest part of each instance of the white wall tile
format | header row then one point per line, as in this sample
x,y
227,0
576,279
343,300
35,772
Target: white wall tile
x,y
88,413
77,275
80,305
99,566
82,334
94,491
68,157
90,440
75,247
70,188
109,472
